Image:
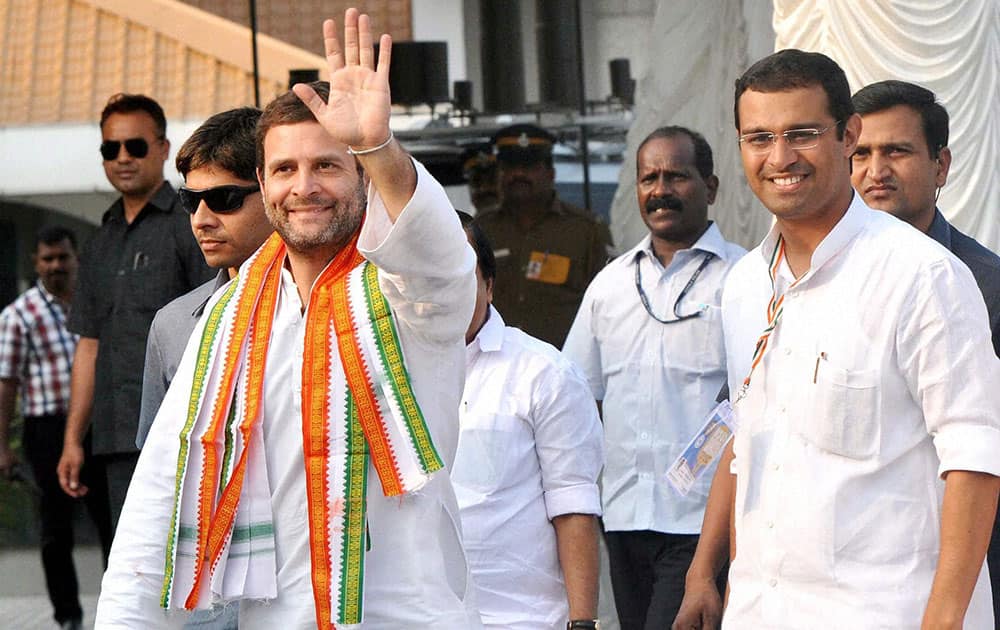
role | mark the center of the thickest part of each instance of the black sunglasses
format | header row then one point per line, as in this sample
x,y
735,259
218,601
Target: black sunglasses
x,y
220,200
136,147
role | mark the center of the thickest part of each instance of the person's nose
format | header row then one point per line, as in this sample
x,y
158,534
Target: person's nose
x,y
781,156
878,168
203,217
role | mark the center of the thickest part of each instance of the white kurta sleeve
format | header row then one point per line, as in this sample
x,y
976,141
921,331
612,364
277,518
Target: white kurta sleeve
x,y
569,442
951,371
582,346
427,266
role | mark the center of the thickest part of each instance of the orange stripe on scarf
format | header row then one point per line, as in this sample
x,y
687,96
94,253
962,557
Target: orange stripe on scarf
x,y
273,248
315,422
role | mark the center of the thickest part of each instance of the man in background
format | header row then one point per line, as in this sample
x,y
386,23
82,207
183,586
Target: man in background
x,y
648,337
899,166
479,167
143,256
547,250
222,196
529,454
36,355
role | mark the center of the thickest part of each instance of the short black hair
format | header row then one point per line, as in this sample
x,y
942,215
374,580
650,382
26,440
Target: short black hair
x,y
484,249
122,103
885,94
53,235
702,150
227,140
791,69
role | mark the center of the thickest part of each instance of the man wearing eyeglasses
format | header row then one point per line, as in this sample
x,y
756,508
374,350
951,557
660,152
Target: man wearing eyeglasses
x,y
222,197
648,336
142,257
865,459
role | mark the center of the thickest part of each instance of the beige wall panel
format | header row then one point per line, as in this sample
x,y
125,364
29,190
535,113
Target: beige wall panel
x,y
60,60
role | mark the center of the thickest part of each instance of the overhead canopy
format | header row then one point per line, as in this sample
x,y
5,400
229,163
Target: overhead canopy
x,y
949,46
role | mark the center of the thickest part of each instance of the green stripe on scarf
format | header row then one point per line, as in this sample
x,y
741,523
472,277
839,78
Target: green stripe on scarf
x,y
391,352
197,386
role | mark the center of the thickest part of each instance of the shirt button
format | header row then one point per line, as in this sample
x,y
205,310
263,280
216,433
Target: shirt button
x,y
775,466
770,524
788,351
783,409
644,436
773,582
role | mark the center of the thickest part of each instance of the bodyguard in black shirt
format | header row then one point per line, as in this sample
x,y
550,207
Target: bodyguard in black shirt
x,y
142,257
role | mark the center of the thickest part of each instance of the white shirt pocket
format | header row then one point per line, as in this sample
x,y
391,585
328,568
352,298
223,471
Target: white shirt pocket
x,y
844,416
486,446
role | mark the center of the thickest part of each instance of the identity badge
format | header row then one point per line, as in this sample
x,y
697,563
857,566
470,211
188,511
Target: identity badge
x,y
547,268
703,449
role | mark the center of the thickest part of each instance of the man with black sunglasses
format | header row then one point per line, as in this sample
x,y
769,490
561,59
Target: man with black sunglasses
x,y
222,197
142,257
649,338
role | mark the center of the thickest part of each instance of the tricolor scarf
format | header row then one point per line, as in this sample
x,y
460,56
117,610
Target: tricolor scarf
x,y
221,537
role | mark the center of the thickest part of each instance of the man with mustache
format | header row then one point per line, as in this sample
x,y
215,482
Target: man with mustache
x,y
648,337
900,164
298,463
547,250
36,355
142,257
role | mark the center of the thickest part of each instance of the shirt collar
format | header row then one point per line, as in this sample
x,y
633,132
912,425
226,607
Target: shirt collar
x,y
48,295
163,200
490,336
221,280
849,226
940,230
710,242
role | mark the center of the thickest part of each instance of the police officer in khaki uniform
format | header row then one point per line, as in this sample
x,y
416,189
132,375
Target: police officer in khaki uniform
x,y
479,167
547,250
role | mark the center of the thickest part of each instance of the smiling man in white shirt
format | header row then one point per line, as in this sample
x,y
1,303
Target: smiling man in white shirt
x,y
648,337
529,454
299,461
865,460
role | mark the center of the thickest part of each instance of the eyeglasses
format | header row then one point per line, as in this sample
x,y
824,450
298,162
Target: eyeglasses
x,y
136,147
677,303
796,139
220,200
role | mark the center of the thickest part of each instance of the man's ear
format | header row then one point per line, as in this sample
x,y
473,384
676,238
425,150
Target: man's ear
x,y
852,132
489,289
944,164
712,184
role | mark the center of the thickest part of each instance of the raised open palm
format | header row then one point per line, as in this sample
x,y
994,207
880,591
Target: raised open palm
x,y
358,109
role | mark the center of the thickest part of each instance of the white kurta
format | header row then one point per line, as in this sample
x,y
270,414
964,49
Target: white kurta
x,y
879,379
531,449
415,571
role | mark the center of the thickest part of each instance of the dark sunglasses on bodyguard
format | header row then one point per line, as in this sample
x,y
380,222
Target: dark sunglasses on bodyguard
x,y
136,147
220,199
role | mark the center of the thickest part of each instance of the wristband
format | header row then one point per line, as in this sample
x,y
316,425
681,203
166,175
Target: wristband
x,y
354,151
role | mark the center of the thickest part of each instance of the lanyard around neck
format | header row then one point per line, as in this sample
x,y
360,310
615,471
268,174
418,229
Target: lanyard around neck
x,y
775,307
690,283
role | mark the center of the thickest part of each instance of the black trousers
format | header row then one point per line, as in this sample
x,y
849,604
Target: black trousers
x,y
647,576
43,444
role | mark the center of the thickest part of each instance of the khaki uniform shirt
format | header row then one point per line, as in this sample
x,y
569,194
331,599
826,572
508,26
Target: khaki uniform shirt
x,y
542,272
